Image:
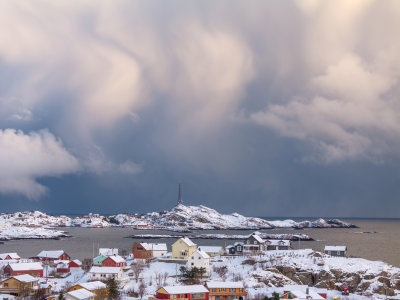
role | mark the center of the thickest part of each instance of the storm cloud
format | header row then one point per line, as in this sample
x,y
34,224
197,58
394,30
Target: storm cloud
x,y
290,106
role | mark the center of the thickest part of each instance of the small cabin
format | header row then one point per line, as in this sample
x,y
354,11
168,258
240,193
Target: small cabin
x,y
336,251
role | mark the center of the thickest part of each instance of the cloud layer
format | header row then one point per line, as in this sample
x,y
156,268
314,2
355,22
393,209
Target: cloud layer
x,y
202,89
24,158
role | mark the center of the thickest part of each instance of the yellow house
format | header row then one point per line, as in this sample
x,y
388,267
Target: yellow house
x,y
96,287
183,248
20,285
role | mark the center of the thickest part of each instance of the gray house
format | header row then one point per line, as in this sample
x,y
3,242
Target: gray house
x,y
235,249
336,250
253,244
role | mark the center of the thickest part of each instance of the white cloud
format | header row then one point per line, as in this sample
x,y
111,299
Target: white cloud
x,y
24,158
348,109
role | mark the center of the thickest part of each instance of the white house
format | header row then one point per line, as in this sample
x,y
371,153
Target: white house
x,y
105,273
108,251
278,244
156,249
80,294
336,250
199,259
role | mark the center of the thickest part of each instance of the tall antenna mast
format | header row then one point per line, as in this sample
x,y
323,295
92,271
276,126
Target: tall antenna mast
x,y
180,195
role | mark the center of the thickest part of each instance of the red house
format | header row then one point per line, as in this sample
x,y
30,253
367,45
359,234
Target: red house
x,y
52,255
198,292
33,269
114,261
139,251
76,263
63,267
9,256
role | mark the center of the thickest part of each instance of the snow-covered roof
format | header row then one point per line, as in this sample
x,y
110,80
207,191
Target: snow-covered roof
x,y
78,262
117,258
202,253
12,255
277,242
50,253
154,246
211,249
335,248
25,278
257,238
188,241
185,289
108,251
93,285
26,266
311,295
105,270
81,294
224,285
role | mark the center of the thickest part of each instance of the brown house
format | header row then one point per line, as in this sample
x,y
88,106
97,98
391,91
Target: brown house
x,y
21,285
226,290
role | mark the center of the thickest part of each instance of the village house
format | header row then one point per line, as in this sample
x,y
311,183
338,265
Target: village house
x,y
105,273
75,264
97,287
148,250
98,260
80,294
220,290
9,256
33,268
235,249
199,259
299,292
278,245
114,261
336,250
20,285
184,292
108,251
183,248
213,251
52,255
62,266
253,244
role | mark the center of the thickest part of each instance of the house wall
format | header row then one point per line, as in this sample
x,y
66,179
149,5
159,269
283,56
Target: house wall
x,y
139,252
35,273
196,260
13,286
181,250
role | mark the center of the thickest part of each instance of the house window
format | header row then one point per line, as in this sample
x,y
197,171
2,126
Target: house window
x,y
139,248
255,242
248,242
5,284
239,248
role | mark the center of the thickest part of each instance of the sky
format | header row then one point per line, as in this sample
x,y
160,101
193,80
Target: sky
x,y
266,108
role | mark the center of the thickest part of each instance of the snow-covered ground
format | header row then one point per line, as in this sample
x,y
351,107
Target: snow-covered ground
x,y
9,232
265,274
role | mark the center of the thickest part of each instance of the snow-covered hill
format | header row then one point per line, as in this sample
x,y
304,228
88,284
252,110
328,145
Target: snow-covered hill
x,y
179,218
